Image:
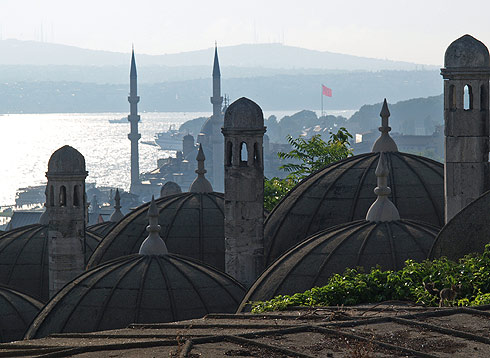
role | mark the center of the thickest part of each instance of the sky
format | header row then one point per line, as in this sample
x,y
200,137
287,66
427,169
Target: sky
x,y
415,31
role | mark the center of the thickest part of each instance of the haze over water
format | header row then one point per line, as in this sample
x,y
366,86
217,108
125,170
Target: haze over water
x,y
28,140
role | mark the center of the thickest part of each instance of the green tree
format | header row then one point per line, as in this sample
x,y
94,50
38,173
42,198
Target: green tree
x,y
308,155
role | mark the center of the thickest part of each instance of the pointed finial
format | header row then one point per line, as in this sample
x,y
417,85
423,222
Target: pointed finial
x,y
117,214
216,70
153,244
382,209
384,143
132,72
200,184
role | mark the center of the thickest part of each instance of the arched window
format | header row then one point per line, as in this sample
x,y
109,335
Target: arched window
x,y
468,98
51,196
483,98
62,196
229,153
243,154
256,155
452,98
76,196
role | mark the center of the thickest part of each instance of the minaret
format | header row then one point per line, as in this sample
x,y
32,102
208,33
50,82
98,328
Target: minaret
x,y
117,214
133,119
216,100
243,132
382,210
384,143
65,216
153,244
466,74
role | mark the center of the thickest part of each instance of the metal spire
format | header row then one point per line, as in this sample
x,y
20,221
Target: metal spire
x,y
384,143
153,244
382,209
117,214
200,184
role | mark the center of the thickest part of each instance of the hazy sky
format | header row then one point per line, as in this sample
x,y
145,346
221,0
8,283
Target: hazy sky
x,y
416,30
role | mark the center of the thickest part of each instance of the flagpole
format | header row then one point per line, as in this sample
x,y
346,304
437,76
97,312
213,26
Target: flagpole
x,y
322,100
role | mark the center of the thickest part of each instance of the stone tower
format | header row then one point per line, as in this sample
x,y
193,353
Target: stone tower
x,y
133,119
65,214
217,120
466,74
243,132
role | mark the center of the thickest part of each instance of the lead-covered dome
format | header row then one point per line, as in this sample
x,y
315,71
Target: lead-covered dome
x,y
466,52
138,289
358,244
244,114
24,259
67,160
17,310
192,224
343,192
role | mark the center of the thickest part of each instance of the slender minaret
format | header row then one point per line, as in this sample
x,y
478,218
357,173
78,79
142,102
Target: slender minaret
x,y
65,216
153,244
117,214
382,210
216,100
384,143
200,184
466,74
243,132
133,119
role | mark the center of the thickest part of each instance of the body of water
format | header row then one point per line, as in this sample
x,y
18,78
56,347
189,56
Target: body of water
x,y
28,140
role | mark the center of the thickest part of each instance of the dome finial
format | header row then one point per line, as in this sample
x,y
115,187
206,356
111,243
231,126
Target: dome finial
x,y
117,214
384,143
200,184
382,209
153,244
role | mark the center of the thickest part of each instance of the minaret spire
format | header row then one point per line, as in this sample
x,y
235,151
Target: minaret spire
x,y
117,214
200,184
384,143
382,209
133,119
153,244
216,100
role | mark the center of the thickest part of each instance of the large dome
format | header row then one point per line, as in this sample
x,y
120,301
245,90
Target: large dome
x,y
67,160
360,243
24,259
467,232
343,192
17,310
466,52
192,224
138,289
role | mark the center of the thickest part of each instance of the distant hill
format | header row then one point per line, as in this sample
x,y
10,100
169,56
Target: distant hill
x,y
16,52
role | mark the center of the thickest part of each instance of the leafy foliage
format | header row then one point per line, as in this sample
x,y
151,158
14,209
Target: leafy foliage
x,y
274,190
355,287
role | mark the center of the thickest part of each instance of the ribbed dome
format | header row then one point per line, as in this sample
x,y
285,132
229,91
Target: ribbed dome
x,y
66,160
24,259
17,310
138,289
466,52
244,114
101,229
467,232
343,192
360,243
192,224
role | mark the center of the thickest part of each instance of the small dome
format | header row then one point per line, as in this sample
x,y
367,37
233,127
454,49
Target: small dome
x,y
170,188
24,259
466,52
66,160
466,233
17,310
207,127
192,224
343,192
244,114
360,243
137,289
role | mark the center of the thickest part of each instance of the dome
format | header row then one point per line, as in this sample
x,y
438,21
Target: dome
x,y
17,310
244,114
67,160
360,243
137,289
170,188
343,192
192,224
24,259
101,229
466,52
207,127
467,232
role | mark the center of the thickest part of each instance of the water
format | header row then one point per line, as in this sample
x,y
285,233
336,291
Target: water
x,y
28,140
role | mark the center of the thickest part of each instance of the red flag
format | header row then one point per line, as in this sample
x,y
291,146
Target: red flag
x,y
326,91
